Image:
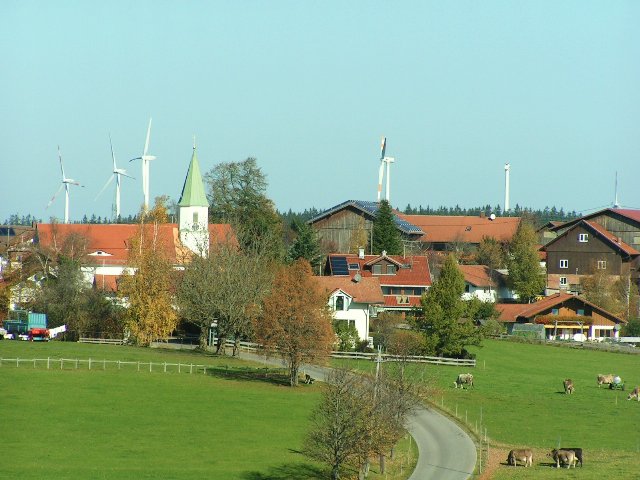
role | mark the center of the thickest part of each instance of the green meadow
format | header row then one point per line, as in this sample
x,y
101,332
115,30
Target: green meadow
x,y
239,421
518,401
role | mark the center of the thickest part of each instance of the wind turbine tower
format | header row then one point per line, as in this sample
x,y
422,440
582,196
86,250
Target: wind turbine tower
x,y
616,203
117,173
65,184
507,169
388,161
145,158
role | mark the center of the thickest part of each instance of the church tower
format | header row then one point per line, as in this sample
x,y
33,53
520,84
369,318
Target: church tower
x,y
193,211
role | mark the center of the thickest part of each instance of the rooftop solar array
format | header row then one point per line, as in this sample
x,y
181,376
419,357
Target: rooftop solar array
x,y
339,265
372,209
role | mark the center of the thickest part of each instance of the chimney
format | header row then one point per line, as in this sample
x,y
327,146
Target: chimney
x,y
361,253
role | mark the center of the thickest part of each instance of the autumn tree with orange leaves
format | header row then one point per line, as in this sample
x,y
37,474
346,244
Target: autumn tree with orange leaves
x,y
295,323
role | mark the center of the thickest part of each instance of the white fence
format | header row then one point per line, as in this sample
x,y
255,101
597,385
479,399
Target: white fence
x,y
460,362
94,364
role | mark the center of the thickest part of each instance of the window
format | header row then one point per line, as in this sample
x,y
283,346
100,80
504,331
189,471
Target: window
x,y
391,269
602,264
564,263
377,269
195,218
583,237
555,311
354,266
340,303
563,281
467,287
580,311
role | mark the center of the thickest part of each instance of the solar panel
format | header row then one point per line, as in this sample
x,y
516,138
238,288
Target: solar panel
x,y
339,265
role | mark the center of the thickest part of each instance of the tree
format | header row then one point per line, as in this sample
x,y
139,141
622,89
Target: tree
x,y
306,245
227,288
335,436
490,253
237,194
526,276
149,289
441,311
617,295
295,320
386,236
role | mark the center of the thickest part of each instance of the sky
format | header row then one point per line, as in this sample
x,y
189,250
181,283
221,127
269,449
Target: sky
x,y
459,88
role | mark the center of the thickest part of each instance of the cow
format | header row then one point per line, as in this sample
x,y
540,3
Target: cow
x,y
606,379
578,453
568,385
635,394
523,455
463,379
308,379
564,457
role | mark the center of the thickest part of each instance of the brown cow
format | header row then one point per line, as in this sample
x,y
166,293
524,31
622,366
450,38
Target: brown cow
x,y
635,394
607,379
564,457
523,455
463,379
568,385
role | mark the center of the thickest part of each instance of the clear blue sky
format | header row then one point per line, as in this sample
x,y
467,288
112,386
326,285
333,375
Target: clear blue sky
x,y
458,87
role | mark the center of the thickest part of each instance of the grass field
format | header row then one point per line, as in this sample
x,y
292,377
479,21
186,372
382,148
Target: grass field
x,y
519,399
236,422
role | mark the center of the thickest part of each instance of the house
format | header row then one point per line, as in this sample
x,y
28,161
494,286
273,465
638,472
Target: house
x,y
485,284
583,249
349,226
403,280
353,300
451,233
564,316
104,248
623,223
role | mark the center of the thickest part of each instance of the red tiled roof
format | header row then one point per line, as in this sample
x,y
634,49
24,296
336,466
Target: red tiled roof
x,y
391,301
467,229
114,240
509,312
415,275
613,239
367,290
477,275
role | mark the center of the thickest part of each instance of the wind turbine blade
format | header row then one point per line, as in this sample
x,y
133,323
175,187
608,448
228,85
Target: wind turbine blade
x,y
146,143
105,186
137,158
126,175
61,166
55,195
113,155
383,147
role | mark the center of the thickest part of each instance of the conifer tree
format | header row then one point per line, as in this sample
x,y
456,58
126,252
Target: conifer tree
x,y
305,245
386,236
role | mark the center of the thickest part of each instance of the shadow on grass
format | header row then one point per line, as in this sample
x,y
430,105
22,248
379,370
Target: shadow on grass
x,y
274,376
286,472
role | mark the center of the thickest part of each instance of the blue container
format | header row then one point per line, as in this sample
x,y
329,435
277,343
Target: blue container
x,y
37,320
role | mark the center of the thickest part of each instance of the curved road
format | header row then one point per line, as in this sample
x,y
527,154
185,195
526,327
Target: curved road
x,y
445,451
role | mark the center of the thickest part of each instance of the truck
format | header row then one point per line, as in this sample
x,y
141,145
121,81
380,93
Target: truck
x,y
21,322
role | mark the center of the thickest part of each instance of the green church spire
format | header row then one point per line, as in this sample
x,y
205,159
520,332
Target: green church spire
x,y
193,190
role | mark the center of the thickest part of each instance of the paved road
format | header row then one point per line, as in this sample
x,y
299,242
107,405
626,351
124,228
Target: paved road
x,y
445,451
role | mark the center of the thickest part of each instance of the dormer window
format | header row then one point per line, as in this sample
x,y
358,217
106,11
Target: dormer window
x,y
583,237
391,269
377,269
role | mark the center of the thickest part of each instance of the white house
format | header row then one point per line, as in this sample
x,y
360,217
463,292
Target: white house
x,y
353,300
480,282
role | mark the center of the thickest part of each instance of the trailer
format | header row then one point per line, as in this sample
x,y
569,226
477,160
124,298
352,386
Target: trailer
x,y
20,322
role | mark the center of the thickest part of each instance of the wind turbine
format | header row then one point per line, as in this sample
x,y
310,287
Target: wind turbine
x,y
117,173
388,161
145,167
65,183
507,169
